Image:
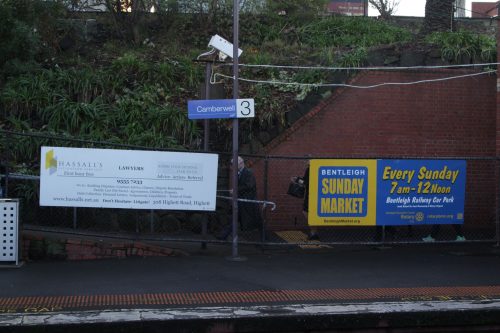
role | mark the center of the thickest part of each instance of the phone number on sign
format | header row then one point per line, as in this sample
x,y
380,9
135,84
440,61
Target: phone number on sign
x,y
129,181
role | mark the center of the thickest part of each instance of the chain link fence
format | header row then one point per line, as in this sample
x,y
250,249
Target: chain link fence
x,y
480,223
269,216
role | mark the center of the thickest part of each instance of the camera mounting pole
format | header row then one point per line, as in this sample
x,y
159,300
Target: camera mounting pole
x,y
236,27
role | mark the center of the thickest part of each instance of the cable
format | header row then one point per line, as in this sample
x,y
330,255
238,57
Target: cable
x,y
355,86
212,51
366,68
479,13
70,139
212,76
93,142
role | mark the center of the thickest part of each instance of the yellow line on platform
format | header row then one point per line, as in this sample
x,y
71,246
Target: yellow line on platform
x,y
34,304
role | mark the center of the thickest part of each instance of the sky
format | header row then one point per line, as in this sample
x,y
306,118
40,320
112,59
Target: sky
x,y
417,7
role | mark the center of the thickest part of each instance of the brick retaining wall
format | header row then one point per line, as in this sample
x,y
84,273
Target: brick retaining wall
x,y
455,118
37,247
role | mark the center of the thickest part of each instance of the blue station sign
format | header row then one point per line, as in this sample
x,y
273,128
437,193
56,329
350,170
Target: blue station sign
x,y
221,108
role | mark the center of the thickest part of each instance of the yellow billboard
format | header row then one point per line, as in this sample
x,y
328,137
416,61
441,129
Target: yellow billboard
x,y
342,192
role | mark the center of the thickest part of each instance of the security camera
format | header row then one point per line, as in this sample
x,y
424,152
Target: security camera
x,y
224,47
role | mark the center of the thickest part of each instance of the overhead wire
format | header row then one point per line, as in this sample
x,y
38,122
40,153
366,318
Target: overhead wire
x,y
474,12
59,137
215,76
479,13
274,82
444,11
375,68
384,68
327,68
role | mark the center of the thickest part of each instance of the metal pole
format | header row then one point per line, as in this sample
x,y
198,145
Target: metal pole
x,y
137,227
75,216
266,194
497,177
236,13
497,224
6,194
151,221
206,124
206,138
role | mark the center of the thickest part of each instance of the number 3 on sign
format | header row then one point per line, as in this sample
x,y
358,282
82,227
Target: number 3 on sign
x,y
245,108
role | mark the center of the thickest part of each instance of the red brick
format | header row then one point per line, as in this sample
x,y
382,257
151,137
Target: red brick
x,y
88,243
139,245
73,241
455,118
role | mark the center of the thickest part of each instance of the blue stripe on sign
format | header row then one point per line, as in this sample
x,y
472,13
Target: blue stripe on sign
x,y
212,109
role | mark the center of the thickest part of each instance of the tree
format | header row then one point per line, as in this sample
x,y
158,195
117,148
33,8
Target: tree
x,y
129,17
385,7
438,16
29,27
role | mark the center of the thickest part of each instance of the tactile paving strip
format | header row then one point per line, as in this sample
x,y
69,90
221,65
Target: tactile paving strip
x,y
295,236
27,304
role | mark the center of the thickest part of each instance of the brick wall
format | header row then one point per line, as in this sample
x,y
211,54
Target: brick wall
x,y
483,9
37,246
455,118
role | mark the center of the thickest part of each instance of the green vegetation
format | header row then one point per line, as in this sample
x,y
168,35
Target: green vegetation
x,y
349,32
129,101
455,46
129,83
26,28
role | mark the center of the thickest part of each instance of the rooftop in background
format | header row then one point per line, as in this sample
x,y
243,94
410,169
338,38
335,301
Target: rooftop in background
x,y
416,8
484,9
349,8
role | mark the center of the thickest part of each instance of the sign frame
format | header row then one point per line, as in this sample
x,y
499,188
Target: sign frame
x,y
130,179
351,192
221,108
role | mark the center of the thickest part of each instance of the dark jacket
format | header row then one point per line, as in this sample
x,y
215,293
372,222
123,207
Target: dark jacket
x,y
306,193
249,212
247,187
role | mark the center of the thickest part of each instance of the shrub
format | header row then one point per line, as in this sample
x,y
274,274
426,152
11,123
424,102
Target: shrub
x,y
18,40
456,45
28,27
350,32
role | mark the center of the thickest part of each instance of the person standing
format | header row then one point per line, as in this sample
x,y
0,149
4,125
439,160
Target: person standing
x,y
313,233
249,216
248,212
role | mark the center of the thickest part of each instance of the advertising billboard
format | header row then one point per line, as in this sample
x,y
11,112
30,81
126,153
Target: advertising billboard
x,y
386,192
110,178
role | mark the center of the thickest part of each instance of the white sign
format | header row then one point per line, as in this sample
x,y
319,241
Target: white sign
x,y
109,178
245,108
